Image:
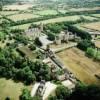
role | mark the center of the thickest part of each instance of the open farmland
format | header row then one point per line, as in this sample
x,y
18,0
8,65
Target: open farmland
x,y
11,89
83,9
93,26
81,66
17,7
8,12
89,18
59,19
23,16
47,12
53,20
96,15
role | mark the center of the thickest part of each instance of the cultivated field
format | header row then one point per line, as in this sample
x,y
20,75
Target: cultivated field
x,y
8,12
53,20
89,18
46,12
60,19
96,15
8,88
84,9
23,16
81,66
18,7
93,26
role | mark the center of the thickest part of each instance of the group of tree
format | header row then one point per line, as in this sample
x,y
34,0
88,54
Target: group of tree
x,y
80,92
93,53
84,44
22,69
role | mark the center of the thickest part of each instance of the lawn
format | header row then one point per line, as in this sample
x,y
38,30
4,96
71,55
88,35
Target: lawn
x,y
11,89
23,16
81,66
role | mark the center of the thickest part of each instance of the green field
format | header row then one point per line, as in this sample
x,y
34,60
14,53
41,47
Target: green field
x,y
11,89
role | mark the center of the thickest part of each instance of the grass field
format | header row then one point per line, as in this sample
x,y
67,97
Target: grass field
x,y
81,66
11,89
53,20
23,16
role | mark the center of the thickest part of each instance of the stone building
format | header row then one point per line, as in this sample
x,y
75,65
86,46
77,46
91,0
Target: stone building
x,y
64,36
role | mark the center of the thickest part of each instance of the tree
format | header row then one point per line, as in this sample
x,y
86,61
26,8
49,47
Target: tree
x,y
25,95
32,47
37,42
51,36
84,44
62,92
91,52
1,6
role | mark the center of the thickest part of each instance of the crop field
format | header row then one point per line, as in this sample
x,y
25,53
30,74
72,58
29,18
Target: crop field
x,y
89,18
83,9
53,20
17,7
59,19
23,16
8,12
47,12
11,89
81,66
93,26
